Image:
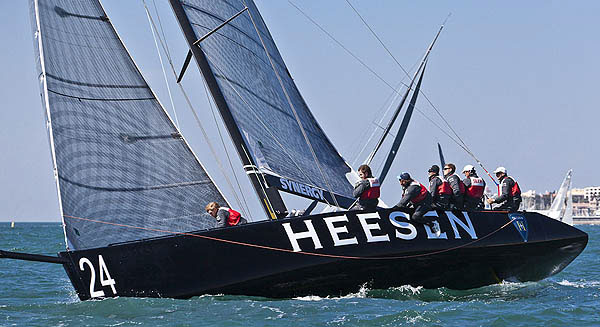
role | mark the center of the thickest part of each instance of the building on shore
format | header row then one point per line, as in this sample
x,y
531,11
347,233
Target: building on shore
x,y
586,201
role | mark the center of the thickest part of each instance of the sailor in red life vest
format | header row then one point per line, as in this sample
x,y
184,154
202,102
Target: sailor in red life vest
x,y
509,193
366,190
474,189
439,188
458,188
416,195
225,217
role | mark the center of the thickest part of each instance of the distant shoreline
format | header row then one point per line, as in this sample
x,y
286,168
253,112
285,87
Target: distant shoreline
x,y
592,220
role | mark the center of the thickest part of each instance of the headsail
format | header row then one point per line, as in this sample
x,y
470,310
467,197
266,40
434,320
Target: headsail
x,y
442,160
403,127
266,116
119,159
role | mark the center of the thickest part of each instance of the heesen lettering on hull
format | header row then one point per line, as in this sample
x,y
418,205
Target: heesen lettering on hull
x,y
371,229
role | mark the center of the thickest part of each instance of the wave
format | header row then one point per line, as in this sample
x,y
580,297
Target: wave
x,y
580,284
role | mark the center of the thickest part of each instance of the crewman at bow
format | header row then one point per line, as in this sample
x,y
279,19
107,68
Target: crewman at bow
x,y
416,195
366,190
458,188
474,189
509,193
225,217
439,188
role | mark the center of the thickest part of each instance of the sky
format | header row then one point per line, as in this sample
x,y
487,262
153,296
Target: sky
x,y
517,80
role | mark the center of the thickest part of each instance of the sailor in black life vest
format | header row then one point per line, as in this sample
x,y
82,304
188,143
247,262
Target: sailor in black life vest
x,y
458,188
225,217
474,189
366,190
416,195
439,188
509,193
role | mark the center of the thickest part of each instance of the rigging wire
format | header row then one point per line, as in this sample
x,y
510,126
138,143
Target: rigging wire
x,y
462,144
208,98
162,65
191,107
293,109
377,37
343,47
394,96
466,148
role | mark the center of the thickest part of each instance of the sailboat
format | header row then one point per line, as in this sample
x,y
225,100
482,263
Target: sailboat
x,y
132,191
561,208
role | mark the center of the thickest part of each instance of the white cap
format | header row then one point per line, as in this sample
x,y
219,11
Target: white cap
x,y
500,170
468,168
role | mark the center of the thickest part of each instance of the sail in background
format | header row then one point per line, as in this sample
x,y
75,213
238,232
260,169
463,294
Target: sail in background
x,y
257,101
118,156
562,206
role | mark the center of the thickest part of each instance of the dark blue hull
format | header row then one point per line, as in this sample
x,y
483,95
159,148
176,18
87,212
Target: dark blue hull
x,y
331,254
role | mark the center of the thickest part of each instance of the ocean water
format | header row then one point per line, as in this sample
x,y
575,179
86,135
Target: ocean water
x,y
40,294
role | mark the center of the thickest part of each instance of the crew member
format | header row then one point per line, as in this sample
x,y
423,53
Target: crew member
x,y
509,193
439,188
458,188
225,217
474,189
416,195
366,190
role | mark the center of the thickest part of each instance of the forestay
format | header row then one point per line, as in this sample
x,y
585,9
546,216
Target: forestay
x,y
254,80
119,158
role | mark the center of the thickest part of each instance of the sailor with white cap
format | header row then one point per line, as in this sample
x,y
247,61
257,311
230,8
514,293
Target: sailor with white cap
x,y
509,193
474,189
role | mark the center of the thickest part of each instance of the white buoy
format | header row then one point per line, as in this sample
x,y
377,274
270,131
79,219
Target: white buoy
x,y
12,224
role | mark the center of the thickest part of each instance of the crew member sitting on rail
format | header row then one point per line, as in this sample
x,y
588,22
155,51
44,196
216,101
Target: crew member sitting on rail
x,y
458,188
225,217
416,195
366,190
474,188
509,193
439,188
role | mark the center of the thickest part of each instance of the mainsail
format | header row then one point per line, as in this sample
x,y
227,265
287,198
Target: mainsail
x,y
118,158
267,118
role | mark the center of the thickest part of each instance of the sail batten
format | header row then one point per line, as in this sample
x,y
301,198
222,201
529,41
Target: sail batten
x,y
119,158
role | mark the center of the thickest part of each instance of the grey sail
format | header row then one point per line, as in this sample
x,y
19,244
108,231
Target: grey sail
x,y
259,101
119,159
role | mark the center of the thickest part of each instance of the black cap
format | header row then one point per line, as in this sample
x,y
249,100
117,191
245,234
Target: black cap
x,y
404,176
434,169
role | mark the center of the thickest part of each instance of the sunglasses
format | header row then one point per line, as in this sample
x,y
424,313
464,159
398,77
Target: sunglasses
x,y
446,168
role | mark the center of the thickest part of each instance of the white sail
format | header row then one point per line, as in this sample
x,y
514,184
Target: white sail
x,y
562,206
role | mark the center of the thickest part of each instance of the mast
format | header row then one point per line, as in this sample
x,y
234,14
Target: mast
x,y
397,111
240,145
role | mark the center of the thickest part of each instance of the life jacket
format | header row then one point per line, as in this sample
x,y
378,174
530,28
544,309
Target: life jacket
x,y
444,188
422,193
477,187
461,185
514,190
234,217
373,191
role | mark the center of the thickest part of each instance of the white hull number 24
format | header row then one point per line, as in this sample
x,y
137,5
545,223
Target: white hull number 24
x,y
105,279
